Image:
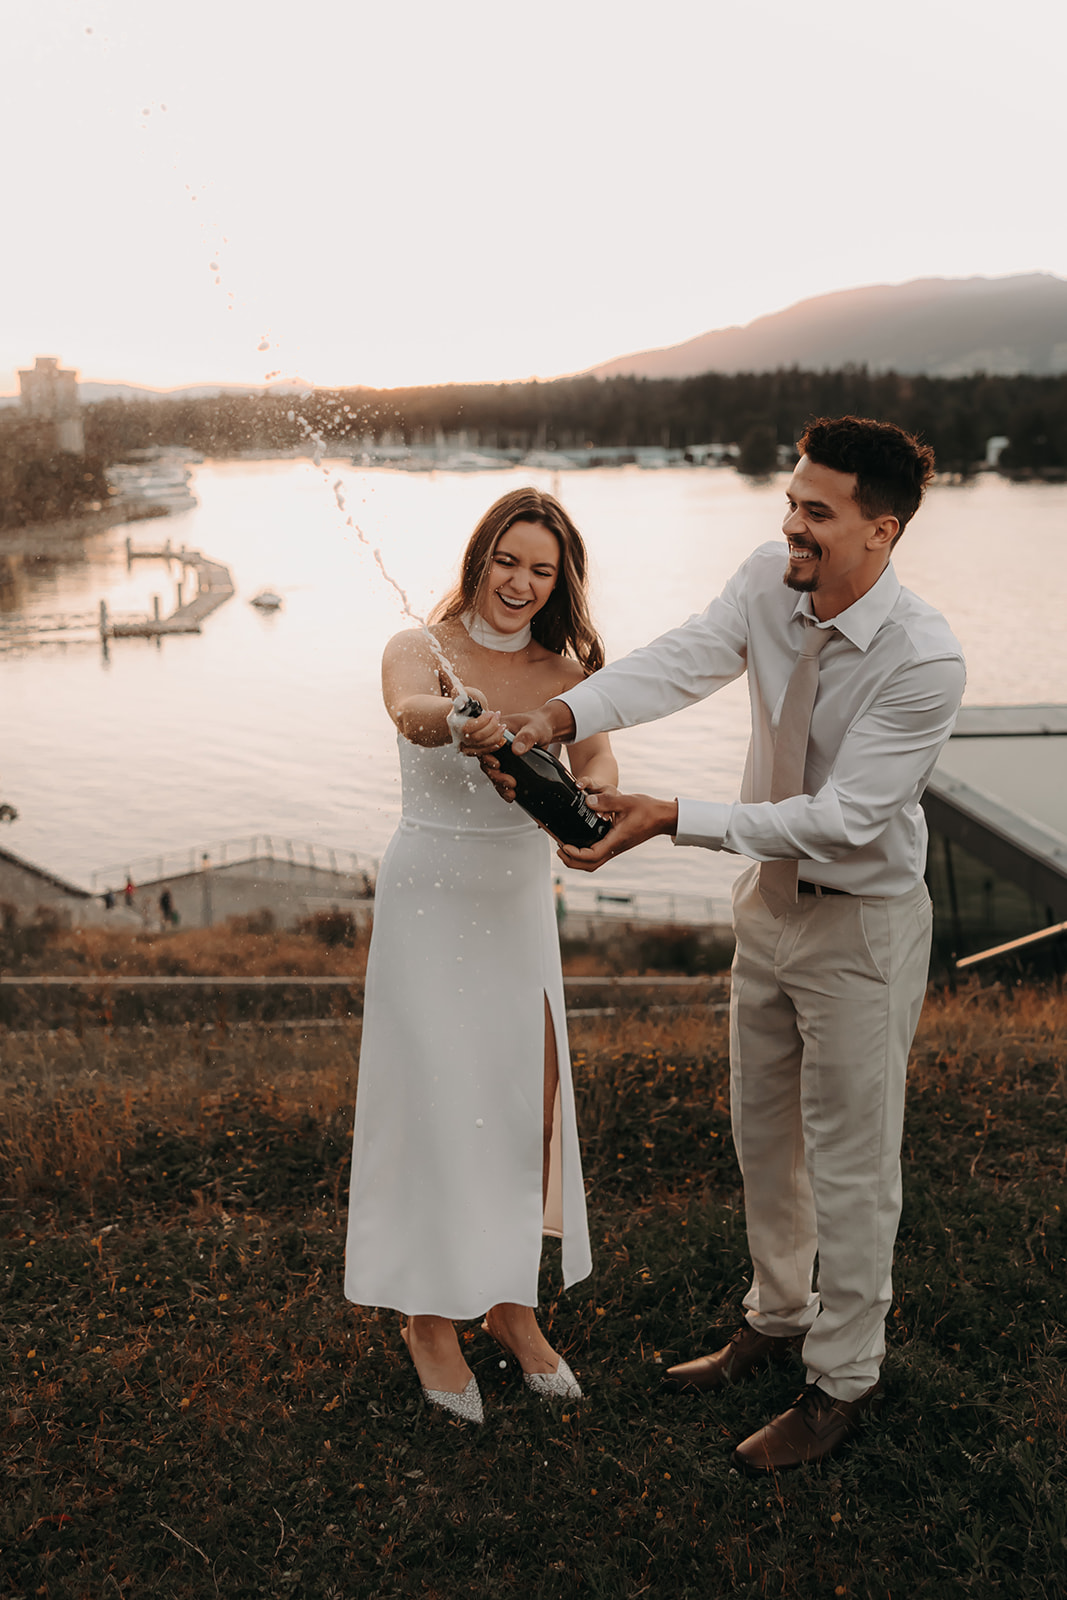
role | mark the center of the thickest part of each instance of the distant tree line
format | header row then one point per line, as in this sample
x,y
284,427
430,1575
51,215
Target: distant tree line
x,y
39,483
955,415
758,412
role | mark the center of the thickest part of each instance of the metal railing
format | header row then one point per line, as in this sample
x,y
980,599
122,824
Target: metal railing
x,y
640,905
579,899
227,852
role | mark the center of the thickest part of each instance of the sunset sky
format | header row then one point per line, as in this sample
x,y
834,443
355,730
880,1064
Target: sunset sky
x,y
216,191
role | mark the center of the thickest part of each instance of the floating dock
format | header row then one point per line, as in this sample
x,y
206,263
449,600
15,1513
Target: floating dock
x,y
214,587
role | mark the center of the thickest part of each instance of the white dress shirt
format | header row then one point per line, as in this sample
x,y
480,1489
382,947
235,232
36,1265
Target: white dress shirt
x,y
890,686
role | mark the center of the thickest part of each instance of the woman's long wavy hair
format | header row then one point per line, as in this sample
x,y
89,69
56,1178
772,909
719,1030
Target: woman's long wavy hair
x,y
562,625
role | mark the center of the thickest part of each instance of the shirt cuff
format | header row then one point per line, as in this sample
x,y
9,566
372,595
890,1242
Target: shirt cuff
x,y
703,822
587,709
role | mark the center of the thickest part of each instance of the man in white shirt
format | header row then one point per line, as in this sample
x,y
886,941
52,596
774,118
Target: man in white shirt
x,y
830,972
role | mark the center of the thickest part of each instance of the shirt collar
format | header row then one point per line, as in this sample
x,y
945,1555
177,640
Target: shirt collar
x,y
860,621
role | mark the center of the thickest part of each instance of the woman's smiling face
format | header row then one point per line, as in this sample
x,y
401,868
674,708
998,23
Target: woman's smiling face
x,y
522,575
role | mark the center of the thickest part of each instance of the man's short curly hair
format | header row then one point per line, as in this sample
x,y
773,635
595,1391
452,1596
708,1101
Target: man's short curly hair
x,y
892,467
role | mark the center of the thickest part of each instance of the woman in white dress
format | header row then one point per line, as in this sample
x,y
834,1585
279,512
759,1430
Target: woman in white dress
x,y
466,1146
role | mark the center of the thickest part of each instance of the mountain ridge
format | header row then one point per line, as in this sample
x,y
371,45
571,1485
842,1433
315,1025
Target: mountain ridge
x,y
933,327
937,327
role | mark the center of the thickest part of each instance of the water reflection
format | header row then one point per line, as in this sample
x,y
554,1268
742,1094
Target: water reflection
x,y
273,723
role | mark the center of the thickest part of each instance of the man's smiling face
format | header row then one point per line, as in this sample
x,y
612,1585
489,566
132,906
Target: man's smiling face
x,y
835,552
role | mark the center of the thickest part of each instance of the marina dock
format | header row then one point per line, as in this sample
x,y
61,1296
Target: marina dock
x,y
214,587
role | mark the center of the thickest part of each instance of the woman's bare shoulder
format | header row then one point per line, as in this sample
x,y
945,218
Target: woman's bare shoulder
x,y
552,675
570,672
415,644
408,645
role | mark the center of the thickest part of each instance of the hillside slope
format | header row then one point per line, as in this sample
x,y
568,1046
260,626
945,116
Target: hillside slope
x,y
940,327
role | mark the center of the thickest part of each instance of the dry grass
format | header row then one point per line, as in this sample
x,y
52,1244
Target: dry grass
x,y
326,945
194,1410
1003,1029
231,949
75,1107
74,1102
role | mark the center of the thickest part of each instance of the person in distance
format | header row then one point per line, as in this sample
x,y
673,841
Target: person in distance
x,y
854,686
466,1146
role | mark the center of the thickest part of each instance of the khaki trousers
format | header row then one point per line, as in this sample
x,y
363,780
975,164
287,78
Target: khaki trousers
x,y
824,1006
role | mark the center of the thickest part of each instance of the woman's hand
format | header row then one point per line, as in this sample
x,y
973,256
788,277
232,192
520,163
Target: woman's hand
x,y
479,735
502,781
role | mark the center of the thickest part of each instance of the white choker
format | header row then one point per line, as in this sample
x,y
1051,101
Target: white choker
x,y
491,638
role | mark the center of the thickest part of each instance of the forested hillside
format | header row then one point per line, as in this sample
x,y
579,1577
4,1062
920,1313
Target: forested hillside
x,y
955,415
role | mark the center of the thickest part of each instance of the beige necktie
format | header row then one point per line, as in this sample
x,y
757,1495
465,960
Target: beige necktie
x,y
778,879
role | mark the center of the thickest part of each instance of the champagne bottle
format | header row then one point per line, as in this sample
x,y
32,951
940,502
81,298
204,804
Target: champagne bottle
x,y
545,789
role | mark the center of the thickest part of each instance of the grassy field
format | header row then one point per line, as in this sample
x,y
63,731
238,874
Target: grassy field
x,y
192,1409
239,947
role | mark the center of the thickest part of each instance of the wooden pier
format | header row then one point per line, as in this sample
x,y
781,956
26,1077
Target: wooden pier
x,y
214,587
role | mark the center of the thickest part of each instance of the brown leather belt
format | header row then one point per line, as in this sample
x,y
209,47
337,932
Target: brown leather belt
x,y
803,887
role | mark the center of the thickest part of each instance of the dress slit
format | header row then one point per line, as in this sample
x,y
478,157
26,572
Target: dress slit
x,y
553,1201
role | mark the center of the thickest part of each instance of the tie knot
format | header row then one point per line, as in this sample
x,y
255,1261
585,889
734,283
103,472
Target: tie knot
x,y
814,639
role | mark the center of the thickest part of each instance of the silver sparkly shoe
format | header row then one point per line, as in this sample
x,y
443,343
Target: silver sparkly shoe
x,y
558,1385
466,1406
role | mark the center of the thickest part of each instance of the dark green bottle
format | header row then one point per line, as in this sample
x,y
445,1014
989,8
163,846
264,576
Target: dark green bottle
x,y
545,790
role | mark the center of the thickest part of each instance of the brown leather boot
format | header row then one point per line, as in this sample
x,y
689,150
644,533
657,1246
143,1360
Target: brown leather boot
x,y
814,1427
737,1360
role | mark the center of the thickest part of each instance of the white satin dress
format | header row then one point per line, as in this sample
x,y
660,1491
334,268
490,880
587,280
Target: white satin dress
x,y
445,1208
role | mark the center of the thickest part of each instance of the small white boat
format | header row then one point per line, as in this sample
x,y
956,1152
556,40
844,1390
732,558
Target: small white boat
x,y
267,600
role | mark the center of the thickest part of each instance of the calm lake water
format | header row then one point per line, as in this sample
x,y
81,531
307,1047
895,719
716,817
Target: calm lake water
x,y
273,724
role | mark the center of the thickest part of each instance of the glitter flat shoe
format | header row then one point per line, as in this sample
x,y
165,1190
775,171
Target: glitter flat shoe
x,y
558,1385
467,1406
